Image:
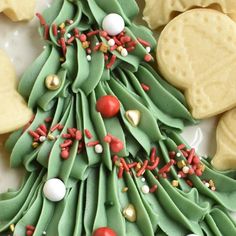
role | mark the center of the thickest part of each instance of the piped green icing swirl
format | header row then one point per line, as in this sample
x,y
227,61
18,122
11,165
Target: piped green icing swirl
x,y
94,192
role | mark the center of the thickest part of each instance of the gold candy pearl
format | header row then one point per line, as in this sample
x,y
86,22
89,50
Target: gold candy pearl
x,y
51,137
125,189
12,227
181,164
129,213
52,82
175,183
133,116
119,49
35,144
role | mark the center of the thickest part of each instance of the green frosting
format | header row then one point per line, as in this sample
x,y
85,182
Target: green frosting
x,y
94,195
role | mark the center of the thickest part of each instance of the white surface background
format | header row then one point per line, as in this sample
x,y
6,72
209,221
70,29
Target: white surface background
x,y
22,43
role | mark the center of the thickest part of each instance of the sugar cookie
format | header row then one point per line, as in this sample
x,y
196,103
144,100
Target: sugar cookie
x,y
18,10
159,12
14,112
197,53
225,157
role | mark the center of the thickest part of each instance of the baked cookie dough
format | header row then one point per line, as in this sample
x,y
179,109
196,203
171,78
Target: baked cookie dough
x,y
18,10
225,157
197,53
159,12
14,112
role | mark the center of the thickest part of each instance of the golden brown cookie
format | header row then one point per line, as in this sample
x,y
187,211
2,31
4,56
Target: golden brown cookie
x,y
14,111
159,12
18,10
197,53
225,157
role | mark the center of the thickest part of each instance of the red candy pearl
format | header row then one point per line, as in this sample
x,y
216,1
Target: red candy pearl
x,y
116,146
104,231
108,106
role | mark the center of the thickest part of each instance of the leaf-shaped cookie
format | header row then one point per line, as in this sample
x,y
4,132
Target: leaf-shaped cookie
x,y
159,12
197,53
225,157
18,10
14,112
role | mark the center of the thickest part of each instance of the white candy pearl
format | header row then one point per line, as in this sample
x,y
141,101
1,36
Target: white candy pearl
x,y
124,52
185,169
191,235
98,148
145,189
54,190
148,49
178,154
89,58
143,179
111,42
113,24
42,138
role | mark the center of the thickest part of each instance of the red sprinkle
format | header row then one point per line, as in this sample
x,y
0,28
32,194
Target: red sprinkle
x,y
132,165
185,154
181,146
125,39
41,132
153,154
112,61
120,172
145,87
34,134
125,166
66,136
89,34
143,42
112,48
72,132
153,188
63,45
67,143
46,31
44,128
71,39
148,57
143,169
41,19
55,127
88,134
54,30
166,168
78,135
117,41
92,143
191,155
155,164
